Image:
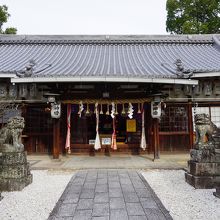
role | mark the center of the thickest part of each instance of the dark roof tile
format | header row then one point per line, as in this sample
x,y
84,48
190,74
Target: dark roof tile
x,y
121,56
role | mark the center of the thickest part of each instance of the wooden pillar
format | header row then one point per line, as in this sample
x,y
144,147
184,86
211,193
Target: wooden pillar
x,y
56,138
156,138
190,125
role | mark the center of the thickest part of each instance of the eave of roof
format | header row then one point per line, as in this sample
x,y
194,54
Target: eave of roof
x,y
206,75
104,79
7,75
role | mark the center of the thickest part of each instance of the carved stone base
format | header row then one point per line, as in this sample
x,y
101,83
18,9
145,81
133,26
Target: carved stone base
x,y
217,193
203,169
201,182
203,155
203,175
14,171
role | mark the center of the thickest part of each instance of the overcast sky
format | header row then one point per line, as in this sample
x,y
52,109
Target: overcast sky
x,y
87,16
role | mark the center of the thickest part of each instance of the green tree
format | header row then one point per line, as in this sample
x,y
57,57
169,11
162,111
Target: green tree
x,y
193,16
4,15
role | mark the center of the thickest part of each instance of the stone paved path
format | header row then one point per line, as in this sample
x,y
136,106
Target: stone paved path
x,y
109,195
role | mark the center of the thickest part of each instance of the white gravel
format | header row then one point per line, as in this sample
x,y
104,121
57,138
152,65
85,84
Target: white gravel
x,y
36,201
182,200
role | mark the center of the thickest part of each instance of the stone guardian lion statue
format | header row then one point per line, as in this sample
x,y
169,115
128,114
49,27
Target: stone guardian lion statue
x,y
204,129
10,135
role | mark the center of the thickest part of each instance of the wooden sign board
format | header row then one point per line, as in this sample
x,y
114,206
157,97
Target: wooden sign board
x,y
131,125
106,141
91,142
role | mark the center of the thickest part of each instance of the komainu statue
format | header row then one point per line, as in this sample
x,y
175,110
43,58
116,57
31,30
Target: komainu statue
x,y
14,169
10,135
204,129
204,164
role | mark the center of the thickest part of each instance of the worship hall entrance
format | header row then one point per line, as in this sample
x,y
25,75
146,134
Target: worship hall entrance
x,y
125,127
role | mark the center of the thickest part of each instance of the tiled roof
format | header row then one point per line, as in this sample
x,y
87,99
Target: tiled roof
x,y
110,56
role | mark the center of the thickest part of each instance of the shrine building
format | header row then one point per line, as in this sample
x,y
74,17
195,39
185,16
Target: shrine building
x,y
109,94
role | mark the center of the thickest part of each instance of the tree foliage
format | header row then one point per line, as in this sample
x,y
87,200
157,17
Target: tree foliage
x,y
4,15
193,16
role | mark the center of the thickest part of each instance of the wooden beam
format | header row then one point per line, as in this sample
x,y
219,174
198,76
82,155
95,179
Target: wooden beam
x,y
56,138
190,125
156,138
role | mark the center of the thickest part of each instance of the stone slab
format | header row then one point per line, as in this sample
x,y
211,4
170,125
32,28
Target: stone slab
x,y
113,197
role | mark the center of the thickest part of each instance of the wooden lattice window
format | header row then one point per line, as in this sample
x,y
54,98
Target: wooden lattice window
x,y
174,119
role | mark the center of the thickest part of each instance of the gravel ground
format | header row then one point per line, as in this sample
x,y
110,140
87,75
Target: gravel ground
x,y
37,200
182,200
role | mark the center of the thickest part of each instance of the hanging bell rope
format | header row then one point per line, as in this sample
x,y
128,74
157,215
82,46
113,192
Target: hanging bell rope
x,y
67,146
97,145
143,143
114,142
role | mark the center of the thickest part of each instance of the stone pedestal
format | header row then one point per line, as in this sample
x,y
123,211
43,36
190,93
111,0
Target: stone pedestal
x,y
14,171
204,168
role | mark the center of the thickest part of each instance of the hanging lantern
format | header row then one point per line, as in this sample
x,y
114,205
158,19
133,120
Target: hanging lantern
x,y
139,109
55,110
101,112
107,112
